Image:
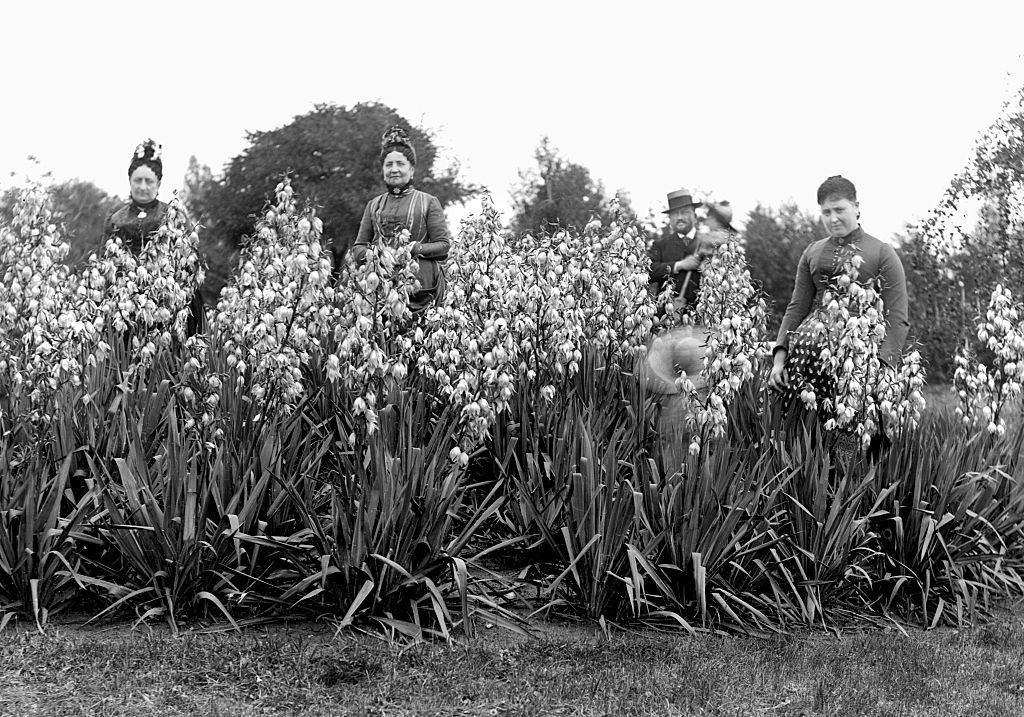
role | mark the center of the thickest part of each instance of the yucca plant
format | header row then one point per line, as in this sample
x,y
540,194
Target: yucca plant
x,y
820,576
945,532
534,430
390,539
182,531
709,532
581,500
42,527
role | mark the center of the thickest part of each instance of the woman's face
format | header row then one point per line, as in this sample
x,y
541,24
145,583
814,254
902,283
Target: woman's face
x,y
397,169
144,184
839,215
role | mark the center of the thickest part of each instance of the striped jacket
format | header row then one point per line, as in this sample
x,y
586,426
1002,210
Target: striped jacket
x,y
387,214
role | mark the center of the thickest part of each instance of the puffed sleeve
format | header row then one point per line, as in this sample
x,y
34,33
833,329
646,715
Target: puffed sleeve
x,y
660,269
365,235
438,241
894,303
801,302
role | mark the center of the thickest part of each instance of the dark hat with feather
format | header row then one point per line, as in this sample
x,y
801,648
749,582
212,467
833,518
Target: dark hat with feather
x,y
147,153
396,140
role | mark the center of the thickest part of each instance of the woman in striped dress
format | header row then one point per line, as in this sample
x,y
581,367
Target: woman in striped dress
x,y
403,206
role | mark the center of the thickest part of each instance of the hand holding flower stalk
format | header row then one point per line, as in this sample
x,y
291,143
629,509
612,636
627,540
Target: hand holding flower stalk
x,y
867,397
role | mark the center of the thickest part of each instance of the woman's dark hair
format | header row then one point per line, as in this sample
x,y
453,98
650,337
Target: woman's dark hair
x,y
837,186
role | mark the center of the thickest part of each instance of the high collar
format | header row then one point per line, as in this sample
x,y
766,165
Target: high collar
x,y
852,237
147,207
400,191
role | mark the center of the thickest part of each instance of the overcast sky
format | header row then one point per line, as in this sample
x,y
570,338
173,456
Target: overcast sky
x,y
751,101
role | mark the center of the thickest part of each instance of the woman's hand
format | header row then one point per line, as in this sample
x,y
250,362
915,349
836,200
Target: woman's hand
x,y
778,378
414,250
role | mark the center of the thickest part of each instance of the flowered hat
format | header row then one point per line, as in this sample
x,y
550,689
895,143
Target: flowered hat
x,y
147,153
722,211
396,140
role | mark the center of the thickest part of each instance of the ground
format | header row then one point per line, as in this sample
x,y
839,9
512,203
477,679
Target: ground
x,y
568,669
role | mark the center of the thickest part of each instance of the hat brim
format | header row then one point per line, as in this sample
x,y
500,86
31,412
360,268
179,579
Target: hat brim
x,y
681,206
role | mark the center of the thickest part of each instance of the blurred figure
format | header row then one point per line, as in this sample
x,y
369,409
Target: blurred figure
x,y
718,225
670,356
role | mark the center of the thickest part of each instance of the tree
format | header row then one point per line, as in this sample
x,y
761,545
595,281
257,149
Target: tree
x,y
972,241
332,156
196,189
557,192
219,255
774,241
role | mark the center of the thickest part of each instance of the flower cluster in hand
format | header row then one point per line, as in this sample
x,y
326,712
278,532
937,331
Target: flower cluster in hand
x,y
275,312
868,397
984,390
732,313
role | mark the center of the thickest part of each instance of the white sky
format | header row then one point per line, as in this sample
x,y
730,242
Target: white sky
x,y
752,101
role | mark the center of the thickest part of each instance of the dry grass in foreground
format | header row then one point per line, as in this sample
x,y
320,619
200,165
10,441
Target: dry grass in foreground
x,y
570,670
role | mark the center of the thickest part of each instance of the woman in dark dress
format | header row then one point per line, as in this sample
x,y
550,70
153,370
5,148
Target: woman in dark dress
x,y
144,213
135,222
797,363
403,206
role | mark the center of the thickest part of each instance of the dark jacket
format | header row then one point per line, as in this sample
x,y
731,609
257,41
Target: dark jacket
x,y
664,253
387,214
133,223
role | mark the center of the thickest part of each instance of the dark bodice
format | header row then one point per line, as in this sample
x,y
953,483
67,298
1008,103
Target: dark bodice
x,y
133,223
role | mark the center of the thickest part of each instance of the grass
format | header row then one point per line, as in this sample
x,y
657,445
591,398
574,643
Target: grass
x,y
567,670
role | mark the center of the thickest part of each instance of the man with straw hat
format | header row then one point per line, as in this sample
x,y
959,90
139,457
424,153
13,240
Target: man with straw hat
x,y
674,257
